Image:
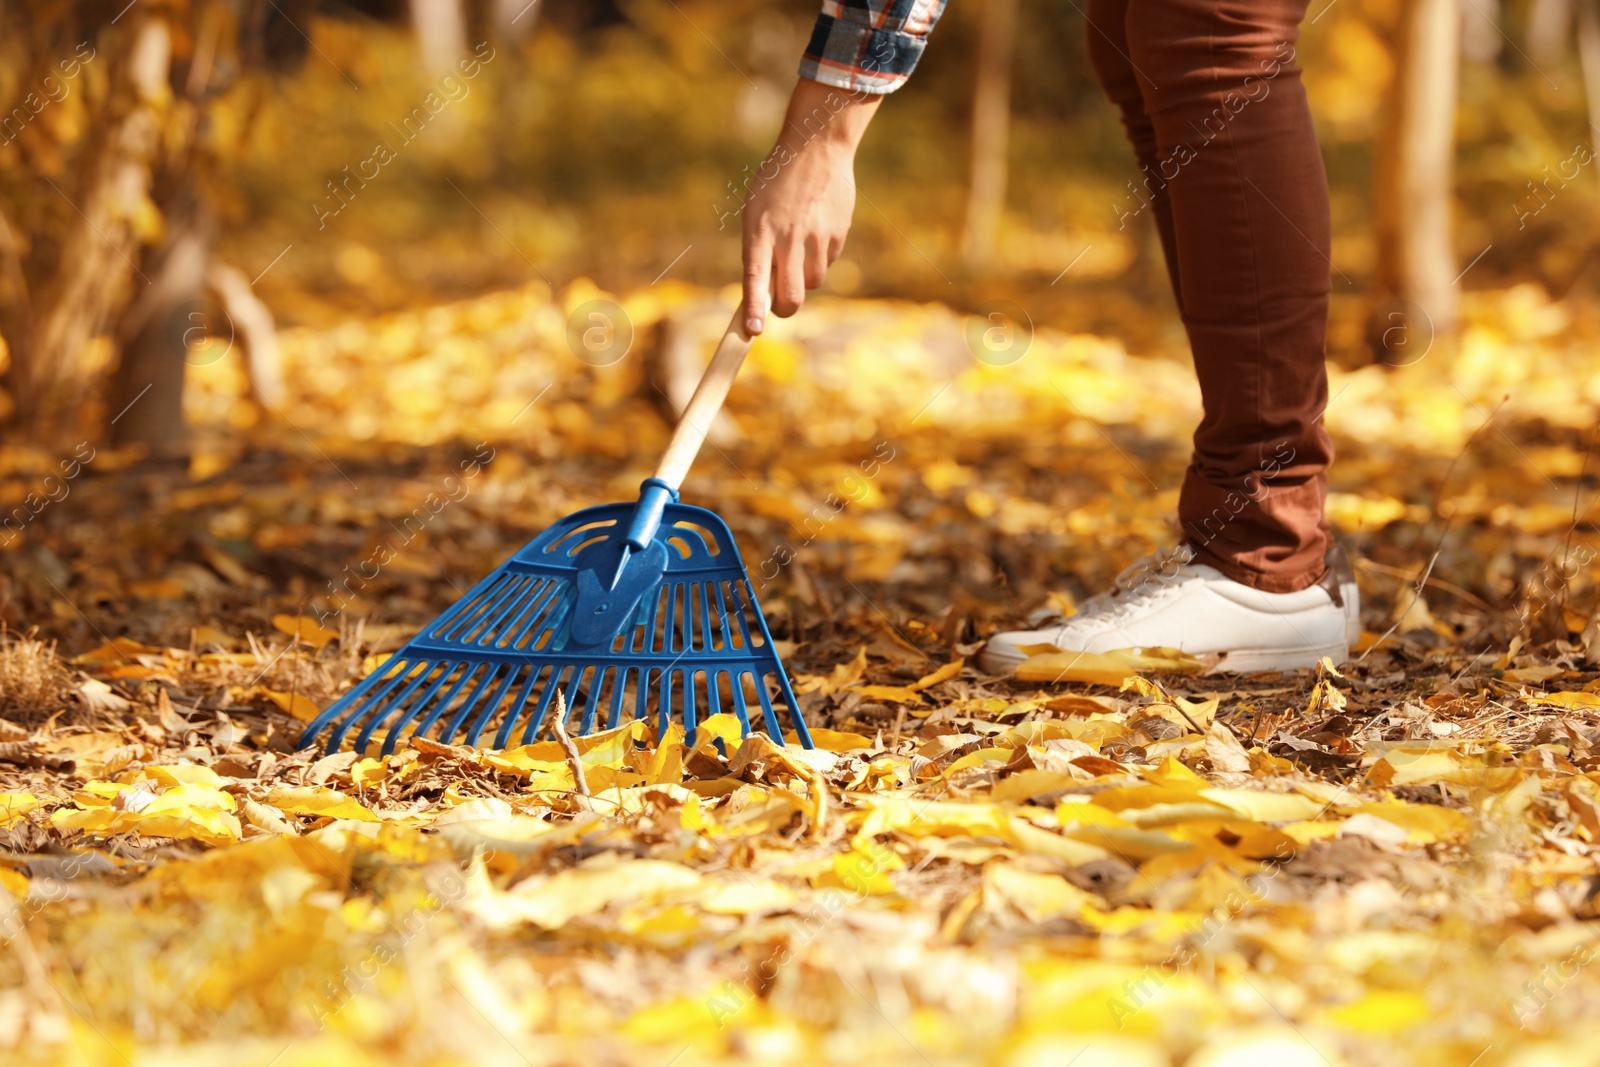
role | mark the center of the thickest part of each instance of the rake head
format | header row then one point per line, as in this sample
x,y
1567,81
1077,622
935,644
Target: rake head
x,y
624,617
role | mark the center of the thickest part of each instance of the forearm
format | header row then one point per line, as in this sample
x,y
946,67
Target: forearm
x,y
826,119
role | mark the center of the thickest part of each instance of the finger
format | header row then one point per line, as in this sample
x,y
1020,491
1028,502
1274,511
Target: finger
x,y
757,275
835,250
789,281
816,263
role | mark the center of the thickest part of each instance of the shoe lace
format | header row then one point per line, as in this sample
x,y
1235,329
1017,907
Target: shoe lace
x,y
1140,581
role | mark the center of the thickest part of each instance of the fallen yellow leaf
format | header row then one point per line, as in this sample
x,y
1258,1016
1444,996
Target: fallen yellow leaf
x,y
554,901
1572,701
1535,675
943,674
835,740
305,629
185,811
1037,896
1104,668
315,800
297,705
899,694
13,806
1381,1011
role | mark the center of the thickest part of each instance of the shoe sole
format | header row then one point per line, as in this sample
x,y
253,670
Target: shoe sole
x,y
1240,661
1251,660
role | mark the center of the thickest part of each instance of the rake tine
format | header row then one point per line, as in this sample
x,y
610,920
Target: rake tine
x,y
370,703
578,697
489,708
691,718
592,705
664,704
341,706
573,694
649,611
660,621
618,691
722,615
785,690
460,672
768,715
641,697
686,620
394,702
470,704
444,673
514,713
793,704
706,631
740,707
739,614
546,617
475,674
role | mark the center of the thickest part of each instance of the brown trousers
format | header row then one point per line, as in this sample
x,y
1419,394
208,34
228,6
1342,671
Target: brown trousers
x,y
1211,97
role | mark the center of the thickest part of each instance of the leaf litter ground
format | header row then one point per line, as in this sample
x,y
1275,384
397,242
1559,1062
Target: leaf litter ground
x,y
1392,862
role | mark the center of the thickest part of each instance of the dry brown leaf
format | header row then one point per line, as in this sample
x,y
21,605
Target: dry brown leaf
x,y
1225,752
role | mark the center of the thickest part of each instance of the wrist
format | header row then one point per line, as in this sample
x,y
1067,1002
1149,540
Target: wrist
x,y
823,118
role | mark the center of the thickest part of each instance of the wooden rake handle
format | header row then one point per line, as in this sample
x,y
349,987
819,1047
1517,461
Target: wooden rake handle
x,y
707,400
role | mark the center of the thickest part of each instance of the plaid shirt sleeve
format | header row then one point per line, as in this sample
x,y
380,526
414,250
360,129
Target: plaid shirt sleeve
x,y
869,46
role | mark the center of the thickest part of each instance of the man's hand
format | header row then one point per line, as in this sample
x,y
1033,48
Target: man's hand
x,y
801,201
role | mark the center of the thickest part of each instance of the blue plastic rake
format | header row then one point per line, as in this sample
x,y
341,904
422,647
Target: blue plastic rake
x,y
626,610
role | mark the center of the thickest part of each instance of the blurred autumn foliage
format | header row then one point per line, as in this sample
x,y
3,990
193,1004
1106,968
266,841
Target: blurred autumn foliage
x,y
272,272
602,140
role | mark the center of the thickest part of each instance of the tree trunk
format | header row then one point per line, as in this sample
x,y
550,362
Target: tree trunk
x,y
514,19
991,128
97,268
1416,262
441,27
165,329
675,358
1481,37
16,316
1549,22
1589,59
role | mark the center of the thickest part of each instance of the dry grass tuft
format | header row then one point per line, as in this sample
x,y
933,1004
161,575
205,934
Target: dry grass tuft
x,y
33,680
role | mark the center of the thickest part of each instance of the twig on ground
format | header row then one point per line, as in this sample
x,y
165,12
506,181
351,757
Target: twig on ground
x,y
575,761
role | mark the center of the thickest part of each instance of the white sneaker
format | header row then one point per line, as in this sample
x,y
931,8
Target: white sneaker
x,y
1166,600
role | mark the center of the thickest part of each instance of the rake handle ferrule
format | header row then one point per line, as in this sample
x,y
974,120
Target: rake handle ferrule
x,y
654,496
703,406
